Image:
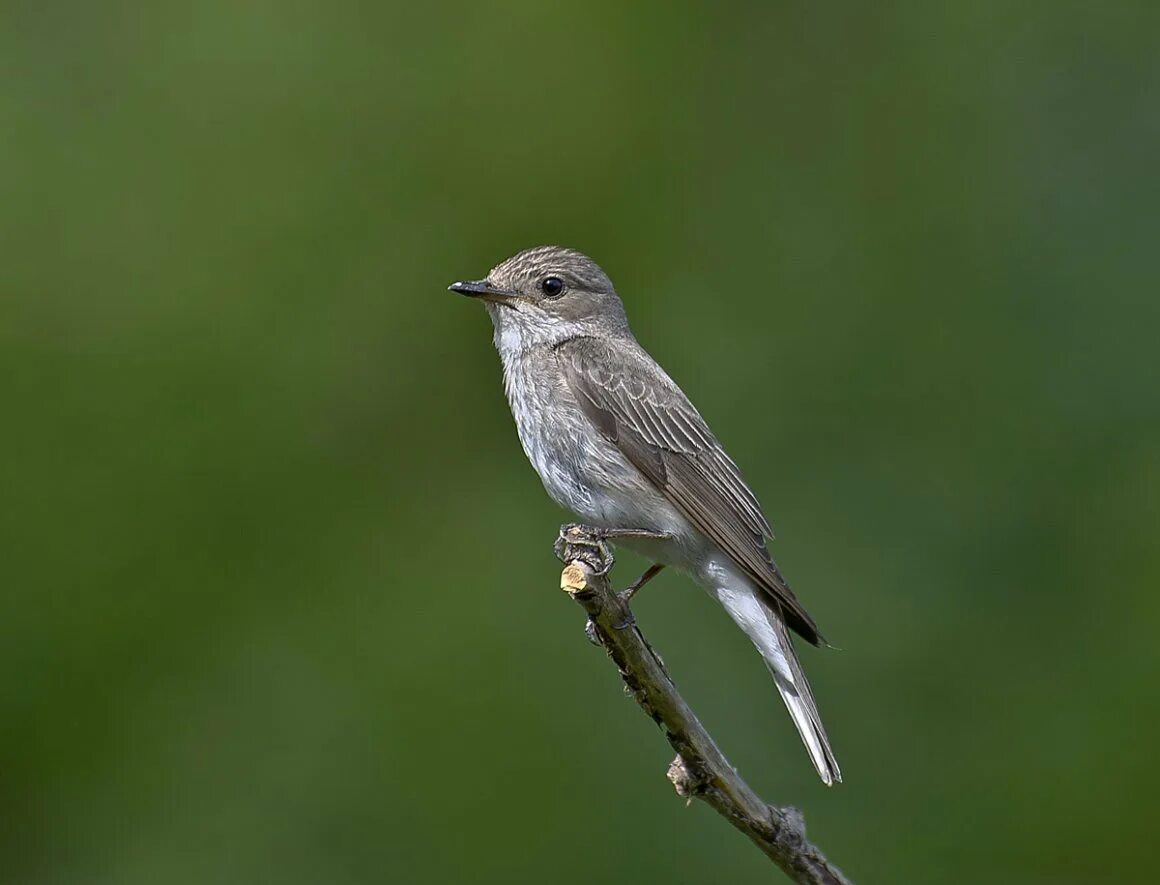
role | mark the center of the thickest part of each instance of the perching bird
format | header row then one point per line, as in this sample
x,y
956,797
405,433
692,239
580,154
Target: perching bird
x,y
617,442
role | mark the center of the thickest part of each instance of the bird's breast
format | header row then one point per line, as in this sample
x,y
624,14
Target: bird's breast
x,y
580,469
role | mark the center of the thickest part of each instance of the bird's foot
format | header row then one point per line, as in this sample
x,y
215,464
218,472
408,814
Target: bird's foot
x,y
597,555
576,535
597,539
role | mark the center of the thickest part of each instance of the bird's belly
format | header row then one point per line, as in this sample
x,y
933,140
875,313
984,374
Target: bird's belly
x,y
589,476
590,479
593,480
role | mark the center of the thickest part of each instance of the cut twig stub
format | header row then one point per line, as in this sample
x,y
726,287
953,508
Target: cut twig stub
x,y
573,578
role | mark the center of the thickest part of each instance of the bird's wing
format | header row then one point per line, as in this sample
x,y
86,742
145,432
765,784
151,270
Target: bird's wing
x,y
636,406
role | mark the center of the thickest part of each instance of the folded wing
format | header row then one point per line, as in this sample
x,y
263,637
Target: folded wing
x,y
636,406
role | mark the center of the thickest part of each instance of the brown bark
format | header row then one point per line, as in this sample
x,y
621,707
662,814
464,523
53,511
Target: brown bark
x,y
700,770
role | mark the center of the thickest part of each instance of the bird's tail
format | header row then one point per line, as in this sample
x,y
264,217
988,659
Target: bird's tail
x,y
766,629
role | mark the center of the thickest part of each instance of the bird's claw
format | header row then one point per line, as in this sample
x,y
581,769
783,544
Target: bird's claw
x,y
601,560
576,535
629,617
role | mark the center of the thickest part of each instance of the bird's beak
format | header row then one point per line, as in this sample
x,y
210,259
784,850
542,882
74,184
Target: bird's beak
x,y
485,290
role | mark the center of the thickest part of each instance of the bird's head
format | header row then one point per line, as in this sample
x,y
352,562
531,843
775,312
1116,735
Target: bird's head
x,y
548,294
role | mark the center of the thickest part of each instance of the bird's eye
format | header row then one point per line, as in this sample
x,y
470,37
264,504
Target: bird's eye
x,y
552,286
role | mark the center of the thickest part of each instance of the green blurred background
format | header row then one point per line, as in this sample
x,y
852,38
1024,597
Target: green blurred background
x,y
278,597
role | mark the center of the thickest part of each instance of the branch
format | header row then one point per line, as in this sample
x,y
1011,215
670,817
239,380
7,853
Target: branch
x,y
700,769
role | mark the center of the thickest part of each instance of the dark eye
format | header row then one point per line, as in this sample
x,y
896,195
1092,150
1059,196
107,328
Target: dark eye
x,y
552,286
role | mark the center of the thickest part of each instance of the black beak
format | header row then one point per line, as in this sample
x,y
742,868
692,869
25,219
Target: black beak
x,y
485,290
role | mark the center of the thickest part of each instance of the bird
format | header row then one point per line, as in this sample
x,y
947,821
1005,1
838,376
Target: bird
x,y
618,443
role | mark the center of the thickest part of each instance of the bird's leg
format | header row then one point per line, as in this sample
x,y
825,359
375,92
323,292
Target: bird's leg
x,y
652,571
625,595
630,591
605,535
638,534
643,534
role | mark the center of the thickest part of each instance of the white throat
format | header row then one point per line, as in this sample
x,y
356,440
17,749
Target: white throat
x,y
518,330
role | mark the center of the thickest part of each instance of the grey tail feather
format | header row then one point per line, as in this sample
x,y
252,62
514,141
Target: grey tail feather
x,y
799,700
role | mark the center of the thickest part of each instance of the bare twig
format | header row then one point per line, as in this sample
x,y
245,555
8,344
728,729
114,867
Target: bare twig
x,y
700,769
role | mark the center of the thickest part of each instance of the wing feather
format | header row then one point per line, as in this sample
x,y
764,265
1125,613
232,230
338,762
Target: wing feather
x,y
635,405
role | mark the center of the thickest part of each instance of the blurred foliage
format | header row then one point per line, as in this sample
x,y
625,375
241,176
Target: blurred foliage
x,y
277,582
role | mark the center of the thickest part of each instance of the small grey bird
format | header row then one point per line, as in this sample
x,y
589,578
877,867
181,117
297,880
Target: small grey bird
x,y
616,442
